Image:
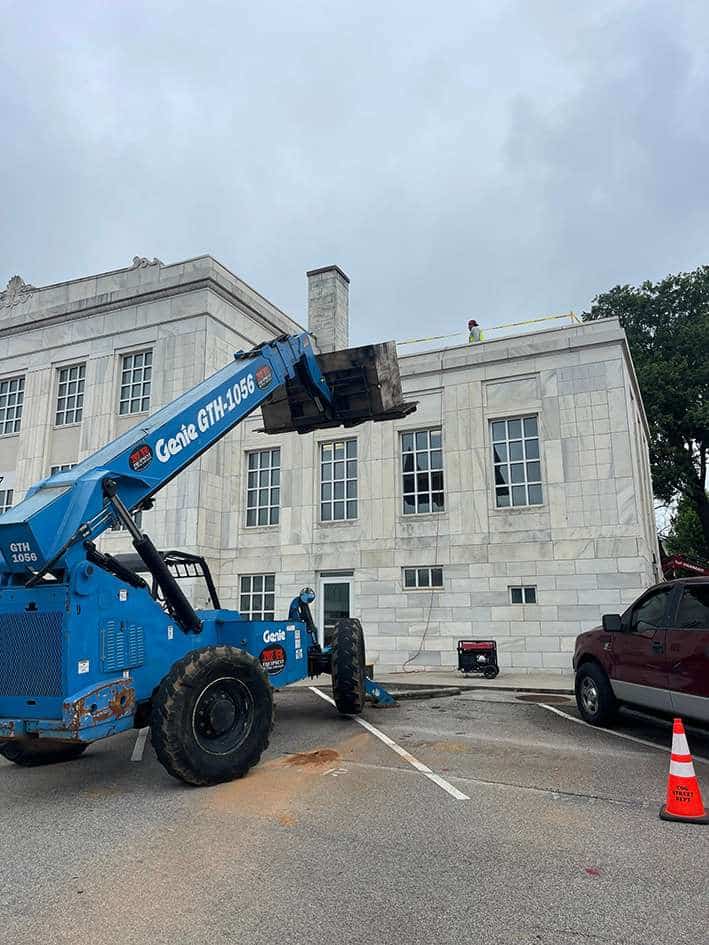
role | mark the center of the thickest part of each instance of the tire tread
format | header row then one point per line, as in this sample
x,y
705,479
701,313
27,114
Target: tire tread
x,y
347,666
171,704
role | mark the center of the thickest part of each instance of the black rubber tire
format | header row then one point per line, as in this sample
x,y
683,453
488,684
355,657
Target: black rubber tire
x,y
491,672
35,752
594,695
347,666
175,727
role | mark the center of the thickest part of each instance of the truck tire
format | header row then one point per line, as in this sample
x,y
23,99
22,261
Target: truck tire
x,y
347,666
212,716
34,752
594,695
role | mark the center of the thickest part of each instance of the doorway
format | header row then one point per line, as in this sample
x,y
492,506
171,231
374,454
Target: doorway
x,y
335,600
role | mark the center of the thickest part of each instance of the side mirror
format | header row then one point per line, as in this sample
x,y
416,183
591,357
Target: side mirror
x,y
612,623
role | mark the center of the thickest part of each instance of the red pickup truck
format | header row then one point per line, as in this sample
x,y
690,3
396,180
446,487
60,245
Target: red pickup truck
x,y
654,656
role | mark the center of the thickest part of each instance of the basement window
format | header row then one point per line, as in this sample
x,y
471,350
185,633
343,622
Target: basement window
x,y
62,467
418,578
523,595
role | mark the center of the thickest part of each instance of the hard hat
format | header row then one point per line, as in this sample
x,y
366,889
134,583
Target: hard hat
x,y
472,323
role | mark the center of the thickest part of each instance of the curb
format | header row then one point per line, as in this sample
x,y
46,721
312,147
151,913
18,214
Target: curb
x,y
466,682
423,692
539,689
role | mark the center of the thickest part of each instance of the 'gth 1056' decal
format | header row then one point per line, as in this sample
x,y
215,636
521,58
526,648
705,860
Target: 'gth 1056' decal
x,y
207,416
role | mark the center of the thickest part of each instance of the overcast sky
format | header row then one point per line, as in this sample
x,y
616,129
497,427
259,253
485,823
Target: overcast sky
x,y
496,160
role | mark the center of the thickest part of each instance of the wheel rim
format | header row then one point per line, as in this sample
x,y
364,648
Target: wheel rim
x,y
589,695
223,716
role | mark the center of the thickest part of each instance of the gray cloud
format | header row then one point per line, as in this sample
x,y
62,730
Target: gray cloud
x,y
497,159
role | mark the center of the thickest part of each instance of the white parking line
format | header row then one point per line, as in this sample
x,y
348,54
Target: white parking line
x,y
407,756
610,731
139,746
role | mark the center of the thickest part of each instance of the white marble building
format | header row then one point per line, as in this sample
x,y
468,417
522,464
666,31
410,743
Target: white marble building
x,y
515,503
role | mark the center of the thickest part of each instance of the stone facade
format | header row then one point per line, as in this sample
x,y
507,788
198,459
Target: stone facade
x,y
587,548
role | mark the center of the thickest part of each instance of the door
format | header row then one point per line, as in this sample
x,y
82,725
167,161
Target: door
x,y
335,603
689,654
639,670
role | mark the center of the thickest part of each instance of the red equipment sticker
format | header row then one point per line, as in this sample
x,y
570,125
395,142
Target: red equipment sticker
x,y
140,458
264,376
273,659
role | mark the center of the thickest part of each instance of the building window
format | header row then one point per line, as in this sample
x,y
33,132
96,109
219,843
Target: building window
x,y
423,577
70,395
63,467
12,396
5,500
257,597
422,468
136,376
338,480
515,453
263,491
118,525
523,595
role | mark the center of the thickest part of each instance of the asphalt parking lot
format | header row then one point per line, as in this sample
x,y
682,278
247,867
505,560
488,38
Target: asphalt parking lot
x,y
526,827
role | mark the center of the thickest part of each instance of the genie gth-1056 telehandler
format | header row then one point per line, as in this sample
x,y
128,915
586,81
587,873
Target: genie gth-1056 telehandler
x,y
88,648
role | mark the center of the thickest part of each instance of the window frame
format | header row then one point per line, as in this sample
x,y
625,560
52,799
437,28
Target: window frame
x,y
270,487
670,610
5,493
682,590
524,593
19,403
124,356
525,461
417,569
346,500
57,468
415,432
80,380
251,593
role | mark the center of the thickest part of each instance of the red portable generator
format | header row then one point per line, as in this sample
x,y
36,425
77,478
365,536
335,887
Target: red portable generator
x,y
478,656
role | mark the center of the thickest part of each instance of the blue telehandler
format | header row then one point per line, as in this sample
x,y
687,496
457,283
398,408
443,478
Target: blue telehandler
x,y
90,648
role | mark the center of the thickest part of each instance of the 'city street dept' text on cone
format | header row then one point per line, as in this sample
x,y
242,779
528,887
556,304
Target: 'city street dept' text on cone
x,y
684,799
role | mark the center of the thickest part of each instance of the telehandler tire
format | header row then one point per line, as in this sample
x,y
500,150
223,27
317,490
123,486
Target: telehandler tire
x,y
35,752
212,716
347,666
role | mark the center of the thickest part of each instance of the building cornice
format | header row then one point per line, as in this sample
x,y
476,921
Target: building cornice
x,y
274,321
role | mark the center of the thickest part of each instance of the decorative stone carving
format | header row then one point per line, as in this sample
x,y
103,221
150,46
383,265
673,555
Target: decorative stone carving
x,y
17,291
142,262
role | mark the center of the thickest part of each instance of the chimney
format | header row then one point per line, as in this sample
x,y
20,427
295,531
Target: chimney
x,y
328,307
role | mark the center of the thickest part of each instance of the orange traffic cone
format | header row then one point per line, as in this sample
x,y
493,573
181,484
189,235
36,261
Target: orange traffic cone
x,y
684,799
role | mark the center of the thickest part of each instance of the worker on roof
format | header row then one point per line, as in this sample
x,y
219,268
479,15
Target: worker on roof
x,y
475,332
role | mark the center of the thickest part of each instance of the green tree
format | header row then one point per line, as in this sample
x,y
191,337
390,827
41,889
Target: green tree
x,y
667,324
685,535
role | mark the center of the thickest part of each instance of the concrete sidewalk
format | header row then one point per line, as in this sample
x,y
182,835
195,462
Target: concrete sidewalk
x,y
517,682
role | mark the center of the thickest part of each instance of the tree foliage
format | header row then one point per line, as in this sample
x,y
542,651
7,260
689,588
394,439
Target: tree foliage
x,y
685,535
667,324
